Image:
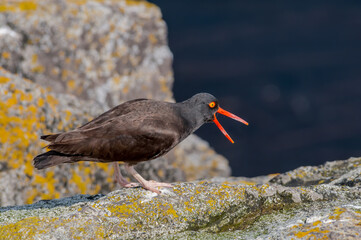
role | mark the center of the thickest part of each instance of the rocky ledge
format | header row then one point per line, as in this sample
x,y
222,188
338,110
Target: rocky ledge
x,y
328,207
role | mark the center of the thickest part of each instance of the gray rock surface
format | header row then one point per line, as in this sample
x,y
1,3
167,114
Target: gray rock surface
x,y
107,51
336,172
227,208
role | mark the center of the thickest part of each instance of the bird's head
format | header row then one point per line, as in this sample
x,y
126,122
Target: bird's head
x,y
207,108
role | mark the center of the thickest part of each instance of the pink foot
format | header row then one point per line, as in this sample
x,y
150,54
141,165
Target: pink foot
x,y
121,180
151,185
160,184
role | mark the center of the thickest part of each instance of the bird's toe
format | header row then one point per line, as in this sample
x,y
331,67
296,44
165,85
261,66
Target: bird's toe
x,y
153,184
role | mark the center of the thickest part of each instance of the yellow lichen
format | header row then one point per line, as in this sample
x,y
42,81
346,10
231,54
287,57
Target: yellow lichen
x,y
6,7
34,58
337,213
171,212
152,38
140,2
78,2
4,79
273,174
38,69
40,102
5,55
27,5
64,74
311,233
247,182
71,84
116,79
29,227
316,223
161,173
163,85
126,89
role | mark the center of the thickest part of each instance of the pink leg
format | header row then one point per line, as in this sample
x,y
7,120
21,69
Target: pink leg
x,y
120,179
149,185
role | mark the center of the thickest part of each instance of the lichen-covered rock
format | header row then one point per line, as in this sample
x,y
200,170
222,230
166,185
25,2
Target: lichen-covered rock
x,y
108,51
28,111
197,210
337,172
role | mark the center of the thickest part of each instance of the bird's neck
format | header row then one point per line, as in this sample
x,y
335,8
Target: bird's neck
x,y
192,117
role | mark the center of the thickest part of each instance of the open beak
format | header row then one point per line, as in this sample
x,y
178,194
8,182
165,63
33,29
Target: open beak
x,y
228,114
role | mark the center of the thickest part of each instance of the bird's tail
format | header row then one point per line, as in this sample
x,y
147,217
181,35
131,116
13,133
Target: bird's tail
x,y
50,159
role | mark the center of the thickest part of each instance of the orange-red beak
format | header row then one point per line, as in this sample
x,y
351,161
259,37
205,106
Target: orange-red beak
x,y
228,114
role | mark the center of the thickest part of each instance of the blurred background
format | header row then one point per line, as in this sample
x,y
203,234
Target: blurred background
x,y
291,69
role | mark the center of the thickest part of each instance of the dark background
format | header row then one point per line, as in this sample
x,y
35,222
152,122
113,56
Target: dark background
x,y
291,69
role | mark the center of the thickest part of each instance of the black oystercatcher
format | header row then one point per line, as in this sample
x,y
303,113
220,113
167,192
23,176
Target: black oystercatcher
x,y
132,132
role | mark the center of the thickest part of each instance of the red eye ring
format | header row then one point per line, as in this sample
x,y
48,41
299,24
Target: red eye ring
x,y
212,104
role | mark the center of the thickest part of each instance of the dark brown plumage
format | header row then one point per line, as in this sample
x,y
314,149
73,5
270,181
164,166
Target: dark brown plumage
x,y
132,132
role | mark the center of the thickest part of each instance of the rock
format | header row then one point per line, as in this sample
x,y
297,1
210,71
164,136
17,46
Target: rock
x,y
220,208
108,51
28,111
10,45
337,172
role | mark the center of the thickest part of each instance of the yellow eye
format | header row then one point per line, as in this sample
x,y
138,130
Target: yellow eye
x,y
212,104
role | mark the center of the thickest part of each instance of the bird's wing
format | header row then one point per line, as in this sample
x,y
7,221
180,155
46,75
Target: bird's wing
x,y
114,112
98,122
115,141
